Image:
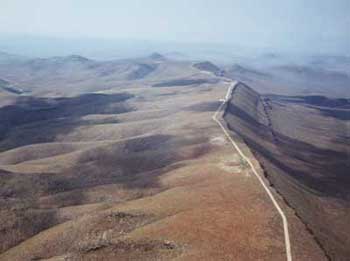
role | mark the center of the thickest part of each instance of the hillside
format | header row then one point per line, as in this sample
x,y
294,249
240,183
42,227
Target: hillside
x,y
207,67
245,74
74,74
138,171
303,144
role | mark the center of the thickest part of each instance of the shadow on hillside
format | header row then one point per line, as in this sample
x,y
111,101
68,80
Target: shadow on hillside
x,y
324,171
185,82
31,199
204,106
36,120
136,163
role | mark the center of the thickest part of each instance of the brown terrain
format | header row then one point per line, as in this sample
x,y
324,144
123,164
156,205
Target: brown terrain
x,y
303,142
121,160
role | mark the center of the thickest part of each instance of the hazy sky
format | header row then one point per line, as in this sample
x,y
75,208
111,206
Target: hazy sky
x,y
289,23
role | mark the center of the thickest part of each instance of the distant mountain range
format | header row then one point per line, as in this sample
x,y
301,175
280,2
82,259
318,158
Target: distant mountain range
x,y
43,73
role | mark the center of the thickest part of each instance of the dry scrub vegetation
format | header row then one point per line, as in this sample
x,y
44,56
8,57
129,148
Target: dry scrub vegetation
x,y
131,172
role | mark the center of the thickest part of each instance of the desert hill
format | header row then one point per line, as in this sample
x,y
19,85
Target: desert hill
x,y
134,171
245,74
208,67
74,75
303,144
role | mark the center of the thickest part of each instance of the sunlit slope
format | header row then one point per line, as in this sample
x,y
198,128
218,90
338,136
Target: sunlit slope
x,y
134,173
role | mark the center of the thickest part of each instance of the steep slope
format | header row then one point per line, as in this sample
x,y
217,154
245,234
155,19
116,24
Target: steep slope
x,y
207,67
303,144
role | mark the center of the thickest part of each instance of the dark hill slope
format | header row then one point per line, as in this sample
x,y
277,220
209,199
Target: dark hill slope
x,y
304,145
20,122
208,67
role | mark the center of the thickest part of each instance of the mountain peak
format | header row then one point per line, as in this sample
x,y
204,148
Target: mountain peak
x,y
77,58
156,56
